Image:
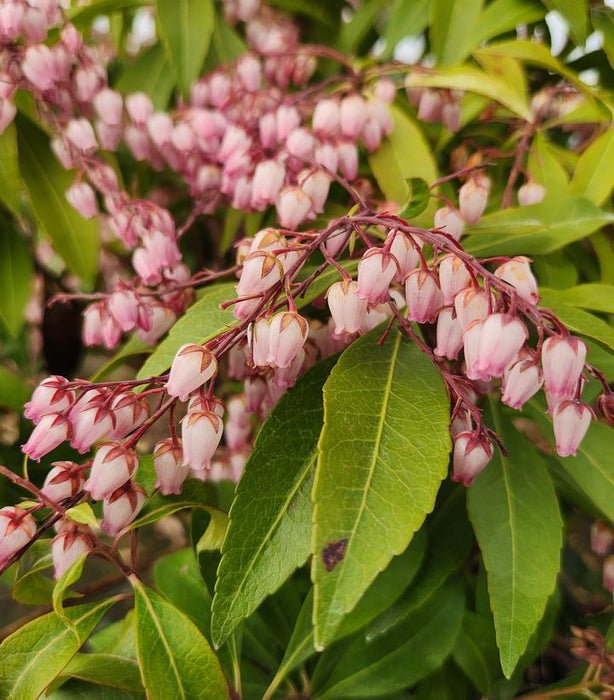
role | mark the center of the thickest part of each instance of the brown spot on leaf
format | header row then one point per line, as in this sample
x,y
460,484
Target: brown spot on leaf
x,y
333,553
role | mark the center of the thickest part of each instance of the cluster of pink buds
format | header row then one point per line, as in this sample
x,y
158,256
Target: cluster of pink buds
x,y
437,106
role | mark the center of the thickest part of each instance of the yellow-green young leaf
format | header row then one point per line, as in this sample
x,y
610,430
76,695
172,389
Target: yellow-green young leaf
x,y
545,168
576,14
596,297
515,515
473,79
73,237
175,659
382,455
403,155
107,670
270,518
10,179
582,322
186,27
603,21
150,72
16,277
594,175
82,16
37,653
452,29
501,16
13,390
405,655
538,228
83,514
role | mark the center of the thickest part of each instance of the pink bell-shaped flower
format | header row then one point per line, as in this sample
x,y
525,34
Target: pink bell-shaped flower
x,y
517,273
122,507
17,528
52,430
472,453
521,381
602,538
423,296
405,250
170,470
531,193
287,335
64,480
453,277
50,396
502,337
471,304
201,432
346,307
268,179
376,271
81,196
90,424
563,358
449,334
113,466
450,221
570,420
66,548
259,342
472,200
293,206
192,367
261,270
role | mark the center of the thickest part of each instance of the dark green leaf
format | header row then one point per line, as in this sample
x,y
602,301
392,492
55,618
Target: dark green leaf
x,y
417,200
150,72
13,391
379,468
270,518
16,277
476,653
515,514
10,179
106,669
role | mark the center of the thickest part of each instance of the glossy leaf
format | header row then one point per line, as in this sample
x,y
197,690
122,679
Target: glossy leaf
x,y
452,26
546,169
186,27
107,670
417,200
11,186
83,514
594,174
270,518
582,322
575,13
37,653
603,21
475,651
73,237
175,659
13,391
514,512
16,277
379,468
150,72
596,297
405,19
501,16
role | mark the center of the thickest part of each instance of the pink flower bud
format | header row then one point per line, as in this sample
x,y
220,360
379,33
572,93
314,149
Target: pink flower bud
x,y
160,129
376,271
405,250
112,467
461,423
130,411
471,304
450,113
450,221
219,89
423,296
109,106
471,455
162,247
192,367
139,108
249,71
39,67
52,430
336,242
315,184
108,136
287,120
71,38
453,277
17,528
371,135
385,90
255,392
326,117
201,433
11,20
50,396
66,548
570,420
171,472
352,116
268,179
517,273
449,335
64,480
430,107
472,200
348,159
346,307
300,144
267,127
7,114
259,341
602,538
563,359
122,507
159,319
608,574
111,331
261,271
81,196
287,335
326,155
521,381
87,82
531,193
293,206
501,339
81,135
123,304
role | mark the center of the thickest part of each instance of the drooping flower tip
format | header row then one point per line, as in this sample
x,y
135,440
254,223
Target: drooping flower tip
x,y
192,367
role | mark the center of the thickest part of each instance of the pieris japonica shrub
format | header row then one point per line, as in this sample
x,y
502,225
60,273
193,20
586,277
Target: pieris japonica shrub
x,y
307,349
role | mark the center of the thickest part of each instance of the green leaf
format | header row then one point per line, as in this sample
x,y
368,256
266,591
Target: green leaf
x,y
502,16
82,514
404,154
538,228
603,21
417,200
576,14
70,576
226,44
150,72
379,468
452,28
175,659
545,168
406,19
213,537
133,347
401,658
31,586
270,518
106,669
475,651
186,27
596,297
13,391
514,512
10,178
35,655
84,15
16,277
473,79
594,174
352,33
73,237
581,321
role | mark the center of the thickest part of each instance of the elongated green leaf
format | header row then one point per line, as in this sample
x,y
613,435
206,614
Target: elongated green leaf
x,y
175,659
576,14
106,669
226,44
352,33
35,655
13,391
596,297
417,200
405,19
581,321
514,511
546,169
475,651
538,228
270,518
150,72
473,79
16,277
502,16
81,16
73,237
406,655
379,468
10,178
594,174
186,27
403,155
452,28
603,21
